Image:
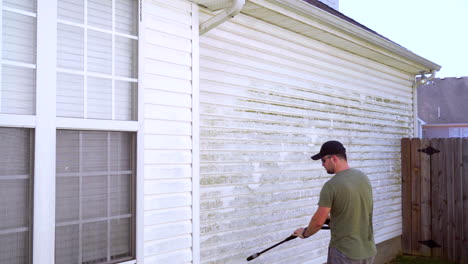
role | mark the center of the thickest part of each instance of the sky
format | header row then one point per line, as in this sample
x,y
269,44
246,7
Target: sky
x,y
433,29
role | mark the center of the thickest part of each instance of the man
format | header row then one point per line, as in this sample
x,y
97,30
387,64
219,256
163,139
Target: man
x,y
347,197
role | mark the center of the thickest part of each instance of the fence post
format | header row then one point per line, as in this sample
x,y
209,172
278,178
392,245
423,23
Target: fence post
x,y
406,194
464,212
437,206
415,196
425,183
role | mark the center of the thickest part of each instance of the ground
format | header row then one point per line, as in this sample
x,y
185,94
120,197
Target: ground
x,y
418,260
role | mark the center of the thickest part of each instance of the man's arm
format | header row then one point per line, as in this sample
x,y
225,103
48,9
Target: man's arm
x,y
316,222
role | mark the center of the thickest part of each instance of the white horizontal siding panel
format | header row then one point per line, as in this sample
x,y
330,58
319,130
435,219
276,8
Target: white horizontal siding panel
x,y
170,55
156,232
164,201
180,5
180,256
168,142
156,97
169,127
169,41
167,156
168,69
175,13
168,26
163,112
168,245
268,101
167,186
164,83
163,216
167,171
167,80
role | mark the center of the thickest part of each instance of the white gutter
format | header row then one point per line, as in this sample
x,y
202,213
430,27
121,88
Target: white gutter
x,y
423,79
225,15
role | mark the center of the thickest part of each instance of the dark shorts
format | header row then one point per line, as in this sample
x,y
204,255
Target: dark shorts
x,y
336,257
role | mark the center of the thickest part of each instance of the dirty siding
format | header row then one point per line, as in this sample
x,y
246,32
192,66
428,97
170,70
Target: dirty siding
x,y
168,144
269,98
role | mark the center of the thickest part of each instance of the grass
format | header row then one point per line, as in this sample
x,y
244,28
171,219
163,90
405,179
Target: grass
x,y
418,260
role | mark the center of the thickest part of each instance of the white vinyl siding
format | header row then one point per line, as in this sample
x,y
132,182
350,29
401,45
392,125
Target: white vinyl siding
x,y
269,99
168,230
18,57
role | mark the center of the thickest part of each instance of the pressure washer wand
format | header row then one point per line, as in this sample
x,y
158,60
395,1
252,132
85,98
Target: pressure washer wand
x,y
254,256
277,244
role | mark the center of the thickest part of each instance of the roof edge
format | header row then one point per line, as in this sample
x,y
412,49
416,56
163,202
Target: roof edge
x,y
302,7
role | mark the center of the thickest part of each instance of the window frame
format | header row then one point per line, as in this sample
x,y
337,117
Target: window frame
x,y
45,124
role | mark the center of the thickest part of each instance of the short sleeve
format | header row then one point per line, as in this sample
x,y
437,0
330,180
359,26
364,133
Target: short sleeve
x,y
326,196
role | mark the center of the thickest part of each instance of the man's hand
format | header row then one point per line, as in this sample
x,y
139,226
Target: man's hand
x,y
316,222
299,232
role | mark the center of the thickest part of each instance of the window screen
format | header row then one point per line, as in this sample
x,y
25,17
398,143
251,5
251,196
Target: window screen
x,y
15,195
18,57
95,199
97,59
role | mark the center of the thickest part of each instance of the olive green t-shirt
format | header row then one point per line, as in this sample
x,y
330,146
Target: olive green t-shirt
x,y
349,195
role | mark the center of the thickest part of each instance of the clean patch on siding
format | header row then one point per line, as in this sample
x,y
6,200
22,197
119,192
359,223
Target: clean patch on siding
x,y
167,81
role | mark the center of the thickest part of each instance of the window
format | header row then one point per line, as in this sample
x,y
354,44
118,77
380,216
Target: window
x,y
15,195
17,97
81,148
18,54
95,173
96,59
94,197
458,132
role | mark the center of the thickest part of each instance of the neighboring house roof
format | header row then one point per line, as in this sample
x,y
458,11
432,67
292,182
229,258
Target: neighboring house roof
x,y
444,101
338,14
318,21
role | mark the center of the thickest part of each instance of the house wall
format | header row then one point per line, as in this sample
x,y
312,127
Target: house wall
x,y
268,99
443,101
169,158
445,131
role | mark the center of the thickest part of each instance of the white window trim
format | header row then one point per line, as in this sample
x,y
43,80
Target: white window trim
x,y
195,135
10,120
140,160
96,124
46,124
1,53
45,136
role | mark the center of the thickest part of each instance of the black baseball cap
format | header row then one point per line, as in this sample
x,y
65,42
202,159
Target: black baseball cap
x,y
330,148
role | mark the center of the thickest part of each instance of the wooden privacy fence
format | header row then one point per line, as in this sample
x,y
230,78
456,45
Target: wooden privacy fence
x,y
435,198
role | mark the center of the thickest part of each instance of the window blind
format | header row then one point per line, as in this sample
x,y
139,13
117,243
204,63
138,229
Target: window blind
x,y
97,53
15,195
18,57
95,211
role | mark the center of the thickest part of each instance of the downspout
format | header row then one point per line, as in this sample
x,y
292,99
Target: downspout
x,y
225,15
423,79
